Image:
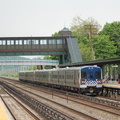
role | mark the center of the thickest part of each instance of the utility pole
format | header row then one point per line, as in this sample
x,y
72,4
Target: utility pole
x,y
91,32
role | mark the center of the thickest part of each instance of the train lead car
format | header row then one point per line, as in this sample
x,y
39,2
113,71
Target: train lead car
x,y
86,79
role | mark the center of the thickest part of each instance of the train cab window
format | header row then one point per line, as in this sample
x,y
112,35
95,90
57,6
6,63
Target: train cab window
x,y
91,75
83,75
98,74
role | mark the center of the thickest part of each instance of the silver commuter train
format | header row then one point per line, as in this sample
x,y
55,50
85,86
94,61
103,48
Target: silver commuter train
x,y
86,79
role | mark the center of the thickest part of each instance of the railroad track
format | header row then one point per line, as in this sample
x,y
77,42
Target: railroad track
x,y
55,113
106,101
17,110
72,100
108,98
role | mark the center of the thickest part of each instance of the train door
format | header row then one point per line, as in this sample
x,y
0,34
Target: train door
x,y
91,77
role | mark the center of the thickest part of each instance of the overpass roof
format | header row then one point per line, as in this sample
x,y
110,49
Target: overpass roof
x,y
94,62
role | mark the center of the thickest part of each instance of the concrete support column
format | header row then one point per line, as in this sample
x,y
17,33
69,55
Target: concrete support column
x,y
56,66
115,71
119,68
43,67
109,73
61,59
118,71
103,71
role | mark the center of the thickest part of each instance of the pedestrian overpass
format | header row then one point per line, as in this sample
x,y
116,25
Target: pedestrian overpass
x,y
18,65
65,46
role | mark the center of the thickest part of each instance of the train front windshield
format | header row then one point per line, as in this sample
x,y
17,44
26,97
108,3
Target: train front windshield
x,y
90,75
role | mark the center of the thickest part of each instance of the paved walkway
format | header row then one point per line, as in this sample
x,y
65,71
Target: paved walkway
x,y
3,115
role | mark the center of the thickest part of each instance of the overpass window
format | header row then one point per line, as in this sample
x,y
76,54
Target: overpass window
x,y
8,42
63,41
43,41
59,41
16,42
52,41
12,42
25,42
34,42
20,42
0,42
4,42
29,42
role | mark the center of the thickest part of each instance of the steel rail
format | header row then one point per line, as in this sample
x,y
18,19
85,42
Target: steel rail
x,y
8,108
38,106
25,108
89,98
78,102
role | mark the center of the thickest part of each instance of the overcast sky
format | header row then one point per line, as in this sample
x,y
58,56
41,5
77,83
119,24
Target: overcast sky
x,y
45,17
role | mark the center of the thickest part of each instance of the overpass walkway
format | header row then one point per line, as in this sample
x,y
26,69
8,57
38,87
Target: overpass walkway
x,y
30,62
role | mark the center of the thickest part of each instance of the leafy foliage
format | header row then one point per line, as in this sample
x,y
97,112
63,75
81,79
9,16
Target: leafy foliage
x,y
52,57
113,30
78,25
83,44
103,47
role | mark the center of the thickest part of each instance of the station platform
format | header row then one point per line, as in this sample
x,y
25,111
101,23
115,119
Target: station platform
x,y
3,114
112,84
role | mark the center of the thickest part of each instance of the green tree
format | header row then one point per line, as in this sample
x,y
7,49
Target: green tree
x,y
103,47
85,51
83,44
52,57
113,30
78,25
83,30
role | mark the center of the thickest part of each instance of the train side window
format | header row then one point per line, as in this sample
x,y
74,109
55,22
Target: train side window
x,y
98,74
83,75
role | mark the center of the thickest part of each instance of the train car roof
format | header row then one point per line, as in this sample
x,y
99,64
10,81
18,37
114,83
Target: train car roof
x,y
59,69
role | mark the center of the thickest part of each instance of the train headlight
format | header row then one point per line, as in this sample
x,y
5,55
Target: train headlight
x,y
82,81
99,81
